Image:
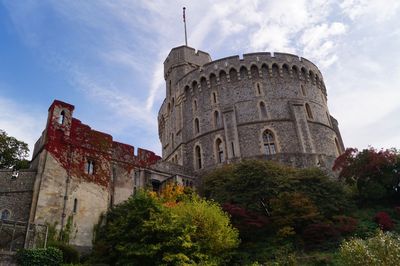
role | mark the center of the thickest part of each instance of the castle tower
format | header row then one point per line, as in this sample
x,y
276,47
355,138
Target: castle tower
x,y
264,105
180,61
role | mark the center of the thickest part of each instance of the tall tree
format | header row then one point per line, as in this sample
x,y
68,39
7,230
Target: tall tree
x,y
13,153
376,173
151,230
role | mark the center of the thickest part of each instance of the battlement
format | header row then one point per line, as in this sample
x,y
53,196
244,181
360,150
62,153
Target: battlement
x,y
184,56
262,64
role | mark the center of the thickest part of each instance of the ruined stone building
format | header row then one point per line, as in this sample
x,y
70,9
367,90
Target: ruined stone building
x,y
265,106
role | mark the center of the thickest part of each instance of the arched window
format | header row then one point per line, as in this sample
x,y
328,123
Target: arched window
x,y
216,119
61,118
203,82
233,75
309,113
213,80
275,70
75,205
269,142
254,71
197,155
222,76
337,147
243,72
263,110
219,147
5,214
196,126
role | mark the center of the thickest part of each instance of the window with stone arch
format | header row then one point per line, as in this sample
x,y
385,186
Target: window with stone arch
x,y
197,157
269,142
217,122
196,126
5,214
61,118
219,148
308,110
263,110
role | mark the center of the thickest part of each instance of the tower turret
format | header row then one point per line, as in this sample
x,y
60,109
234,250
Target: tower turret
x,y
180,61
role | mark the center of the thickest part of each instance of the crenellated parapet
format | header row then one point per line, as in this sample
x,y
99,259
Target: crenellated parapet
x,y
253,66
228,109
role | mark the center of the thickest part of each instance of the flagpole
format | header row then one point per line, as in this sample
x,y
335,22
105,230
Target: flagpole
x,y
184,24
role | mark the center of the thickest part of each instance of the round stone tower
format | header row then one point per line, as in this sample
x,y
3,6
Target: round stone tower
x,y
264,105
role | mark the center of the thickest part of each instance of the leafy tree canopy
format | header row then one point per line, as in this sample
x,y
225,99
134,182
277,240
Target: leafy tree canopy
x,y
13,153
254,184
176,230
376,173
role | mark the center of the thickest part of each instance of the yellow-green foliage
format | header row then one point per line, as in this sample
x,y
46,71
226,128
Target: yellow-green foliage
x,y
213,230
382,249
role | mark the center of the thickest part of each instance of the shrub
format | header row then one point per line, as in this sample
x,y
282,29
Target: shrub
x,y
382,249
38,257
345,225
70,254
384,221
320,235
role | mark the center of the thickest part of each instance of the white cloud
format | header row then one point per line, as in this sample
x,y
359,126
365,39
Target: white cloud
x,y
23,122
354,42
378,11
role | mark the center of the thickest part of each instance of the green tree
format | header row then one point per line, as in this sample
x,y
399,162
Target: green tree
x,y
13,153
253,184
146,231
213,233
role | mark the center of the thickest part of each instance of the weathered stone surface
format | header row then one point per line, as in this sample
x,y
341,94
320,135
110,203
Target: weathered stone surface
x,y
223,99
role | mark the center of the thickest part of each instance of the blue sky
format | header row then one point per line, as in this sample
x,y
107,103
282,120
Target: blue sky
x,y
106,58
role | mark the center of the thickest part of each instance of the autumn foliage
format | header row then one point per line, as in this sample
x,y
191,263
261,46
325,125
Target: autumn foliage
x,y
376,173
384,221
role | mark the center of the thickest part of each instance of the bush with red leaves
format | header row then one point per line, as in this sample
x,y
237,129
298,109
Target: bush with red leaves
x,y
375,172
384,221
244,218
320,236
345,225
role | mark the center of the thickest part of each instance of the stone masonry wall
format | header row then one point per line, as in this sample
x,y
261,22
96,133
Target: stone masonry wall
x,y
16,194
236,99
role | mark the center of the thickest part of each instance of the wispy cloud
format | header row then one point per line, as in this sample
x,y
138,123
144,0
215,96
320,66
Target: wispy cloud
x,y
119,47
21,121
